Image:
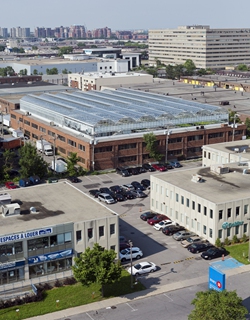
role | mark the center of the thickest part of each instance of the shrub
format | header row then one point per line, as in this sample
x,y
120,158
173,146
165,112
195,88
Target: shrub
x,y
69,281
235,239
244,238
227,242
47,286
218,243
58,283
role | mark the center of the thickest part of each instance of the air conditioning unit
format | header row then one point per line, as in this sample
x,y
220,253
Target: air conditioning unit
x,y
52,123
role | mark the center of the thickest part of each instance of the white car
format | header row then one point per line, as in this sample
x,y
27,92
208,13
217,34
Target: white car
x,y
142,267
162,224
125,254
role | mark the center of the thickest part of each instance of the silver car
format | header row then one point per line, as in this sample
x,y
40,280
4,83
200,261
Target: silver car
x,y
105,197
182,235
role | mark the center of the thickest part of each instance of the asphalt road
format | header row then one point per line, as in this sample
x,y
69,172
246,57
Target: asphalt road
x,y
171,305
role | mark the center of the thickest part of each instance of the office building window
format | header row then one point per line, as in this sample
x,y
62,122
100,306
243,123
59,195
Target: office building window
x,y
27,122
199,207
205,229
220,234
78,235
59,137
229,211
237,211
237,230
198,226
112,229
166,192
205,211
176,214
208,155
161,190
171,212
228,232
156,204
193,205
112,248
211,214
187,202
90,233
177,197
101,231
42,129
152,202
182,200
220,214
210,233
166,210
205,154
246,209
171,195
192,223
156,187
81,147
245,228
72,143
181,217
187,220
33,125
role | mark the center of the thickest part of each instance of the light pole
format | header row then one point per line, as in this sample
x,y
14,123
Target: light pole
x,y
234,125
93,142
248,239
167,133
131,245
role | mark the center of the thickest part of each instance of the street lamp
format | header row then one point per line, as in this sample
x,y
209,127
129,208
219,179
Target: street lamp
x,y
167,133
131,245
93,142
234,125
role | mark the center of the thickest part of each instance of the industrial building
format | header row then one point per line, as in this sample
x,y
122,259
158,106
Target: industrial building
x,y
208,48
213,201
45,227
106,128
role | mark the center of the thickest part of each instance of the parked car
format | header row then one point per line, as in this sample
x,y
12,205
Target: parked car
x,y
116,189
140,169
137,185
175,164
159,167
199,247
128,195
147,215
145,183
182,235
170,230
133,171
138,193
148,167
157,219
105,190
162,224
168,166
94,192
118,197
186,243
106,197
123,245
53,180
142,267
34,180
74,179
127,187
13,173
125,254
213,253
10,185
123,172
62,159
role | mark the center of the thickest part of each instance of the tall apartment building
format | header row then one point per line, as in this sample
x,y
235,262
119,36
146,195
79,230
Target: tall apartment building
x,y
208,48
4,32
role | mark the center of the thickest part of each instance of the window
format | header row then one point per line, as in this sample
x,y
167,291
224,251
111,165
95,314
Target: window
x,y
72,143
198,226
215,135
152,202
229,211
237,211
174,140
103,149
13,116
177,197
33,125
42,129
220,214
205,211
192,223
78,235
246,209
193,205
81,147
127,146
205,154
112,229
193,138
176,214
228,232
27,122
101,231
50,133
61,150
245,228
210,233
199,207
34,136
59,137
211,213
187,202
90,233
127,159
209,155
205,229
161,207
181,217
171,212
187,220
82,160
171,195
112,248
161,190
220,234
156,204
237,230
182,200
166,192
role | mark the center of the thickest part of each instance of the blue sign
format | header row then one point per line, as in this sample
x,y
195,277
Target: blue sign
x,y
25,235
227,225
10,265
216,280
50,256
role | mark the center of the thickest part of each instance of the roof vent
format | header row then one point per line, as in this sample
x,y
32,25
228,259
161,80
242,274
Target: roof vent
x,y
12,209
33,210
197,178
219,169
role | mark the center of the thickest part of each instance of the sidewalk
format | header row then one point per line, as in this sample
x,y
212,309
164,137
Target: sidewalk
x,y
135,296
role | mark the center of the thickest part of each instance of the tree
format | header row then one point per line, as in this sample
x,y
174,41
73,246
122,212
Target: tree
x,y
31,162
71,162
52,71
34,48
201,72
247,123
170,71
215,305
97,265
150,140
35,71
81,44
65,50
2,48
178,71
7,163
65,71
233,117
242,67
190,67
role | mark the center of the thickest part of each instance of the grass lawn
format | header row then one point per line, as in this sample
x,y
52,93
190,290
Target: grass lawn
x,y
70,296
239,252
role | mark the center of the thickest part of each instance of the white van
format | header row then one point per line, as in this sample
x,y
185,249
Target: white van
x,y
105,197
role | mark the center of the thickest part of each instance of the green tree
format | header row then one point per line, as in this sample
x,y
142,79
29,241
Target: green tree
x,y
65,71
215,305
65,50
190,67
247,123
218,243
233,116
150,140
7,163
34,48
71,163
23,72
201,72
97,265
35,71
81,44
31,163
178,71
170,72
242,67
51,71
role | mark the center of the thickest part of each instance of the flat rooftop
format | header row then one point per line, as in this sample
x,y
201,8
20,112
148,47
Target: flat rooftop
x,y
56,203
108,75
216,188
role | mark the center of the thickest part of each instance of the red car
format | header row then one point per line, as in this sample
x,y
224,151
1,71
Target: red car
x,y
157,219
159,167
10,185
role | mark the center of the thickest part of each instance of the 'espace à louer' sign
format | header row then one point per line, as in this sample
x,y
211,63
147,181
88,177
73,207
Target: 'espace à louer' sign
x,y
227,225
25,235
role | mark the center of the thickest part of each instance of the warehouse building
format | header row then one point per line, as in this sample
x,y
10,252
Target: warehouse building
x,y
213,202
45,227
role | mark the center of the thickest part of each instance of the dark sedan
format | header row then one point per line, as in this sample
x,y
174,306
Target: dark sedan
x,y
118,197
74,179
213,253
116,189
147,215
133,171
148,167
170,230
128,194
105,190
199,247
138,193
137,186
140,169
145,183
157,219
94,192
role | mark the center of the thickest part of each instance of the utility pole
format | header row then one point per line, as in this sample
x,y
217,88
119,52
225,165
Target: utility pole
x,y
131,245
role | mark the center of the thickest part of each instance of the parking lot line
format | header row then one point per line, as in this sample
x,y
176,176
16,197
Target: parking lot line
x,y
132,309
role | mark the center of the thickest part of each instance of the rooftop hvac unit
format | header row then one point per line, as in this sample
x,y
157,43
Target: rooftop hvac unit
x,y
52,123
10,209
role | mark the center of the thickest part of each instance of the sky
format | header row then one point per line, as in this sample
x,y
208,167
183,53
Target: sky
x,y
125,15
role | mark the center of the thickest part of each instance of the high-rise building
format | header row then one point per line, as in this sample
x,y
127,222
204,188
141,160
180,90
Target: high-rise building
x,y
208,48
4,32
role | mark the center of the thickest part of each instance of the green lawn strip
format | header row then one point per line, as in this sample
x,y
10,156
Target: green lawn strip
x,y
70,296
239,252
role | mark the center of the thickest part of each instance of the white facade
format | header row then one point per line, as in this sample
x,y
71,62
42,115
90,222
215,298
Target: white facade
x,y
215,207
208,48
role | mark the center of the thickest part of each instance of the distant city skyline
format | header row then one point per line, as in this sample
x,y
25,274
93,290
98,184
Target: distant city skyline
x,y
125,16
